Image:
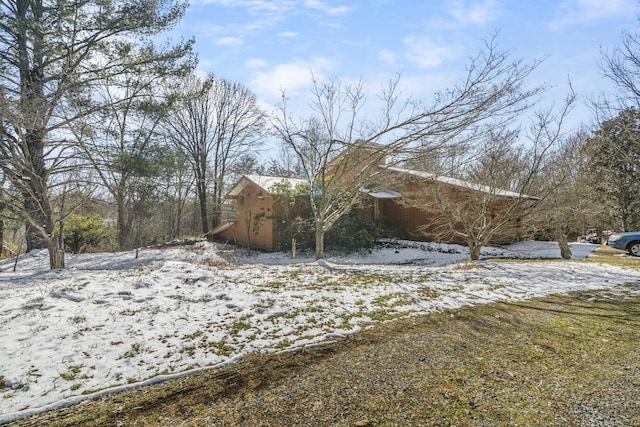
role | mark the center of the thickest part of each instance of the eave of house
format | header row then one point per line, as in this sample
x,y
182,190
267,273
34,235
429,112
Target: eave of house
x,y
387,194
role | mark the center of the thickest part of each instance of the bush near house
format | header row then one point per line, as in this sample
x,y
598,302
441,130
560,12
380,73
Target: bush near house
x,y
350,233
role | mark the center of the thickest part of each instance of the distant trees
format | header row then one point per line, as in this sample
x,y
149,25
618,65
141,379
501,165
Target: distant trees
x,y
613,151
493,92
215,121
123,145
176,187
51,55
613,162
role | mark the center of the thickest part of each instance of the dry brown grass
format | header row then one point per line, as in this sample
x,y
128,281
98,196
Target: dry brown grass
x,y
562,361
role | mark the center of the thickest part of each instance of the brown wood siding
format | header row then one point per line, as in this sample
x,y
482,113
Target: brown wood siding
x,y
417,216
261,204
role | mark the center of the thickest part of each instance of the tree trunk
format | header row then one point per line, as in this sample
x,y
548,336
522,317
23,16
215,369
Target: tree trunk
x,y
56,254
217,203
34,196
123,231
319,242
474,250
565,251
202,196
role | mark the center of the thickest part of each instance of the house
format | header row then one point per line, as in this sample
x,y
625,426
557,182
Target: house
x,y
412,204
260,201
409,203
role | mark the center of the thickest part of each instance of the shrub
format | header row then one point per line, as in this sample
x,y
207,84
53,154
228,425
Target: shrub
x,y
84,232
352,233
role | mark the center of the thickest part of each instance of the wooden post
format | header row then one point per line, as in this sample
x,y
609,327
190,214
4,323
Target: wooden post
x,y
293,248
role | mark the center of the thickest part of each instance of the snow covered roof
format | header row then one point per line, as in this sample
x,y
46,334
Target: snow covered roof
x,y
461,183
264,182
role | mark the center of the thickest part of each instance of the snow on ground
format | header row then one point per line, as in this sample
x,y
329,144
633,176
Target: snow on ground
x,y
113,321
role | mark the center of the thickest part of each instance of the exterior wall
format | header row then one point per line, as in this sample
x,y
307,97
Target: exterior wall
x,y
417,216
249,204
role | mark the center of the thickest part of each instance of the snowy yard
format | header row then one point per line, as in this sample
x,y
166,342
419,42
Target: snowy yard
x,y
111,321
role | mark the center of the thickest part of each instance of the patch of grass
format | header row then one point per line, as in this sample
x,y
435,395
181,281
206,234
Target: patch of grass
x,y
136,349
393,300
618,261
74,373
242,323
189,350
193,335
221,347
429,293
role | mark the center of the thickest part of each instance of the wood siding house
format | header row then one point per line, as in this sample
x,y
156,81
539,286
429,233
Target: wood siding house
x,y
258,201
409,203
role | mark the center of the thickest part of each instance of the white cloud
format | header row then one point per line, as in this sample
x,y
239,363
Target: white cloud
x,y
229,41
579,11
341,10
288,34
270,6
425,53
292,77
387,56
474,13
255,63
325,8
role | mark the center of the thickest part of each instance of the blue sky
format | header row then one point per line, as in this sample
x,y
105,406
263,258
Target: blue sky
x,y
274,45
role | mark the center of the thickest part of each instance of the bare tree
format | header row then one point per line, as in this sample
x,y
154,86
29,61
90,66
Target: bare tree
x,y
507,174
51,55
215,122
177,186
569,210
494,89
622,66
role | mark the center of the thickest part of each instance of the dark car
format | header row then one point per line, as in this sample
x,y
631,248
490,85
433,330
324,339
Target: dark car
x,y
629,242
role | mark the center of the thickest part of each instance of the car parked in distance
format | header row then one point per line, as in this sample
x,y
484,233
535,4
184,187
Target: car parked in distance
x,y
629,242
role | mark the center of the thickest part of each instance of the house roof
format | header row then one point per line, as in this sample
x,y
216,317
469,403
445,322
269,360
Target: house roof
x,y
384,194
461,183
265,183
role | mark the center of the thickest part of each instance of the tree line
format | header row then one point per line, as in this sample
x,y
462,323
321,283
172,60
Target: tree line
x,y
102,120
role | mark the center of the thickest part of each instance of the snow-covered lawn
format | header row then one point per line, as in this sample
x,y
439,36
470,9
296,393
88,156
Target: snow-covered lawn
x,y
111,321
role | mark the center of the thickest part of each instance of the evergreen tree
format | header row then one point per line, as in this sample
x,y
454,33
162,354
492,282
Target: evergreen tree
x,y
613,155
52,54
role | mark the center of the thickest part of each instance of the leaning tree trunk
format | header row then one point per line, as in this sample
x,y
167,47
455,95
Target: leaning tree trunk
x,y
565,251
